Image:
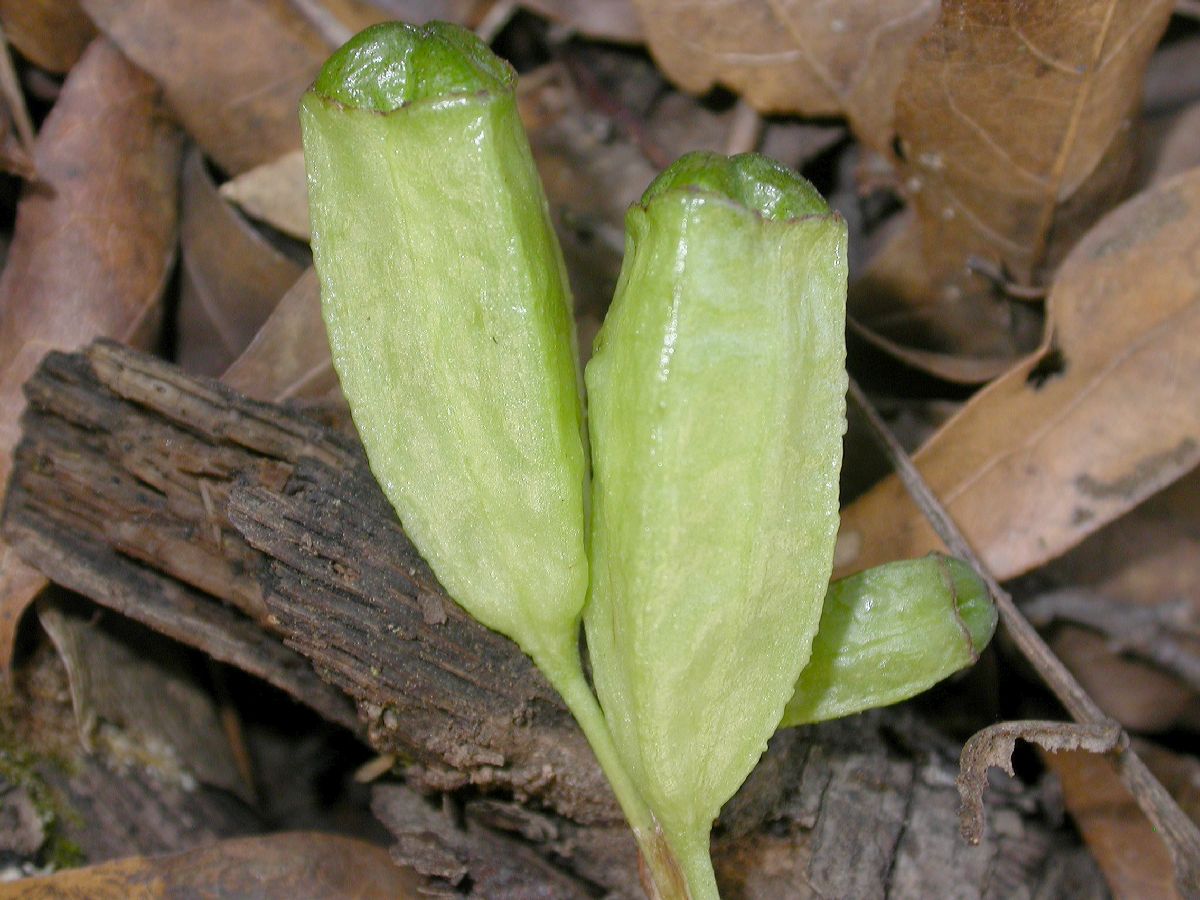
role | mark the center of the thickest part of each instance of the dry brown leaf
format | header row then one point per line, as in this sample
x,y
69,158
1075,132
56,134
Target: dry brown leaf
x,y
893,307
1068,440
289,357
1178,147
16,127
285,866
49,33
793,56
274,193
1015,124
1133,859
92,248
1146,558
232,70
232,276
608,20
1014,131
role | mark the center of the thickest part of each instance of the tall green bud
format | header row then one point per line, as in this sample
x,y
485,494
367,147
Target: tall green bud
x,y
449,317
717,408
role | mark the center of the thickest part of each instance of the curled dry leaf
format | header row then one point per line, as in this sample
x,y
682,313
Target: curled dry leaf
x,y
287,865
50,33
289,357
232,70
232,276
993,746
92,248
1070,439
1015,130
791,56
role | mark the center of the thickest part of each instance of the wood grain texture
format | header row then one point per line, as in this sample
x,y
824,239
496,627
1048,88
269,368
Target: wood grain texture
x,y
865,807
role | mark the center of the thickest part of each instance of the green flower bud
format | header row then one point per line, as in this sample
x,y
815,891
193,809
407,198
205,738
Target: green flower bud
x,y
449,317
717,408
889,633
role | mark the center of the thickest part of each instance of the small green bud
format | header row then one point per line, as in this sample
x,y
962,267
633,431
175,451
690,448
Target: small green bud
x,y
889,633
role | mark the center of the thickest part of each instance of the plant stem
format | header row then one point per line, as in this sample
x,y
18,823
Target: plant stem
x,y
664,875
691,850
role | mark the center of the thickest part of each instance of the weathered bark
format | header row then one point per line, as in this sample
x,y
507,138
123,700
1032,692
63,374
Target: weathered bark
x,y
223,522
125,506
351,594
62,805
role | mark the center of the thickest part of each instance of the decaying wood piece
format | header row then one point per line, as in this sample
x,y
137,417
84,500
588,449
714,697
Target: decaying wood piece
x,y
124,505
351,594
229,524
62,805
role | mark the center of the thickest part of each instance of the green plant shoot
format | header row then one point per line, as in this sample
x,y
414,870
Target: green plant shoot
x,y
717,411
450,322
449,318
717,408
890,632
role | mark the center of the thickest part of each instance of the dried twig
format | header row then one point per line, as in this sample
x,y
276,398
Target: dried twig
x,y
745,131
495,19
1178,832
331,29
